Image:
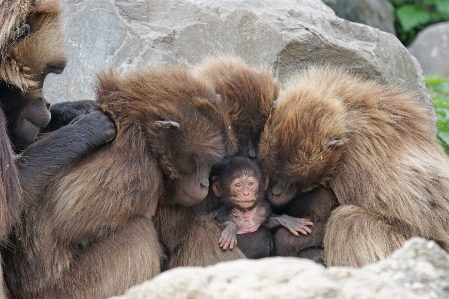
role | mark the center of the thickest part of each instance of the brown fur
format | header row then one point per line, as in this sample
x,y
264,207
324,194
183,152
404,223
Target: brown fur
x,y
200,246
25,60
248,95
25,63
95,216
315,205
374,146
13,14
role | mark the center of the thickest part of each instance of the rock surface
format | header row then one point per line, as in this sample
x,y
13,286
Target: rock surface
x,y
418,270
288,35
431,49
376,13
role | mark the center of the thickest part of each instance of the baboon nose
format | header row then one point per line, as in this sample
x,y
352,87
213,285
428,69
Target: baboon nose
x,y
57,67
204,183
276,190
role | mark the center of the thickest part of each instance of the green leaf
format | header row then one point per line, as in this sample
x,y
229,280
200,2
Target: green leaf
x,y
444,144
432,80
397,3
410,16
443,8
430,2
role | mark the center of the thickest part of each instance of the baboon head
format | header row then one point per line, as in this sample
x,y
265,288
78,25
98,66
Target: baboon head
x,y
34,48
302,142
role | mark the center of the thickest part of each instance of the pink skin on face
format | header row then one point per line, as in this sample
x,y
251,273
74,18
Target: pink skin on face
x,y
244,190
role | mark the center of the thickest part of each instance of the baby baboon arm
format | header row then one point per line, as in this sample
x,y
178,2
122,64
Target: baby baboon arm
x,y
228,238
293,224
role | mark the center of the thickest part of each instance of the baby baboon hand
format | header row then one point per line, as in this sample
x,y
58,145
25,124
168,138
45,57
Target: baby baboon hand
x,y
228,238
295,225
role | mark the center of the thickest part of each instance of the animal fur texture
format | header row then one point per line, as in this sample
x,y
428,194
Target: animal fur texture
x,y
374,146
90,234
18,61
315,205
248,95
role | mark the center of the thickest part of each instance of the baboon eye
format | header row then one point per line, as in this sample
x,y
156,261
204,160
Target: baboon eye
x,y
251,183
237,185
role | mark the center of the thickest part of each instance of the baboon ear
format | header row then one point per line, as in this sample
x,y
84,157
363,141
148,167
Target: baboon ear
x,y
216,186
166,124
334,143
267,182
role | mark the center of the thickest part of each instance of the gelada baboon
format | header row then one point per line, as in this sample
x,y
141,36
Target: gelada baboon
x,y
90,235
33,46
316,205
374,146
247,96
244,213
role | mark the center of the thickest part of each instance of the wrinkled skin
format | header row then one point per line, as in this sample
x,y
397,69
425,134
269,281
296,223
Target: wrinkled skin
x,y
193,187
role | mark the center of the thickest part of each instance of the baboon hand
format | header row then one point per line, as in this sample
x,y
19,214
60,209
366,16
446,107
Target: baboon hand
x,y
295,225
228,238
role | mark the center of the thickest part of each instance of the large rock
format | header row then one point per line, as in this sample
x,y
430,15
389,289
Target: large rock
x,y
419,270
375,13
288,35
431,49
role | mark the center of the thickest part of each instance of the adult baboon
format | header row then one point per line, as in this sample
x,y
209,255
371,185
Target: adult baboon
x,y
90,235
374,146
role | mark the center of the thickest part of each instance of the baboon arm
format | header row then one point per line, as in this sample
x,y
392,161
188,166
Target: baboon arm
x,y
228,238
293,224
44,159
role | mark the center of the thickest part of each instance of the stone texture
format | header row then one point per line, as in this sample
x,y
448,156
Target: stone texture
x,y
286,34
431,49
375,13
418,270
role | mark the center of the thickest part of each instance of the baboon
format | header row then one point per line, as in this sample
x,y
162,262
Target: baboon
x,y
31,46
248,95
374,146
244,210
316,205
91,235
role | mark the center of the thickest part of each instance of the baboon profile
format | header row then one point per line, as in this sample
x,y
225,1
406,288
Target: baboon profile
x,y
374,146
31,46
91,234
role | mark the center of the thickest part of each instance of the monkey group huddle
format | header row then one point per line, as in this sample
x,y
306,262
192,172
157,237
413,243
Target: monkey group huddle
x,y
171,167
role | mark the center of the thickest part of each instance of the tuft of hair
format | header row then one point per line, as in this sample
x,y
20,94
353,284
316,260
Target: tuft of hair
x,y
237,166
248,95
10,192
24,53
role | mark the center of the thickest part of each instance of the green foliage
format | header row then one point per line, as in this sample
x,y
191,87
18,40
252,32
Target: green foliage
x,y
439,90
414,15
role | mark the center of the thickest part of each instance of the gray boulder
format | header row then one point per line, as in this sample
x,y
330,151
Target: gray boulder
x,y
418,270
431,49
286,34
375,13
